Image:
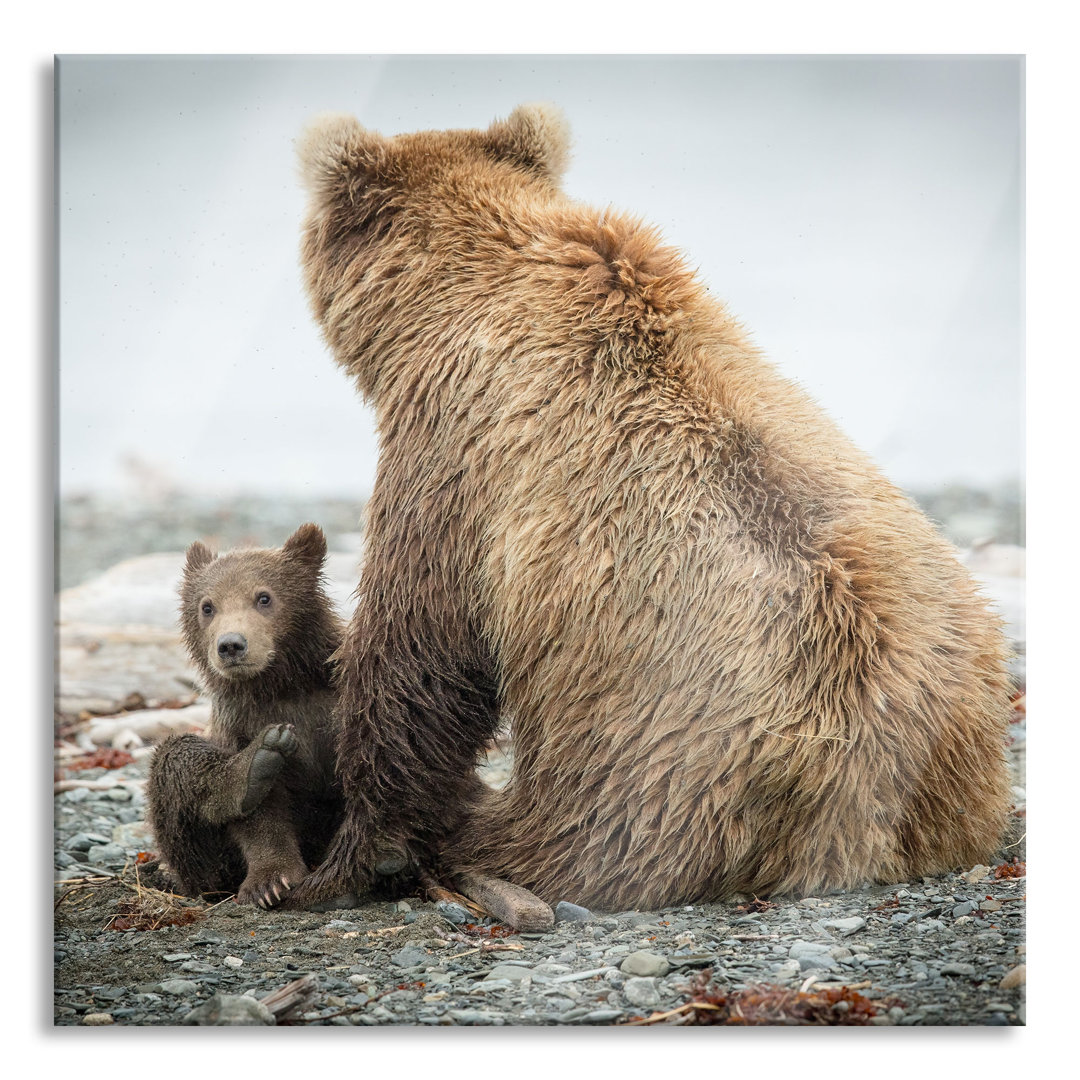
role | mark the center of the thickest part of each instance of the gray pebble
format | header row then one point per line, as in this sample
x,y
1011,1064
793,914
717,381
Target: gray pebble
x,y
84,841
802,949
452,912
641,992
179,987
513,972
105,854
567,912
957,969
601,1016
410,956
230,1010
845,926
645,963
474,1016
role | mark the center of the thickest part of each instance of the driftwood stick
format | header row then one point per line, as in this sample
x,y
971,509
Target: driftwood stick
x,y
290,997
510,904
435,893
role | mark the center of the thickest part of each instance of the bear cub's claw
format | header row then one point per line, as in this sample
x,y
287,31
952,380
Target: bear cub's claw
x,y
277,742
267,890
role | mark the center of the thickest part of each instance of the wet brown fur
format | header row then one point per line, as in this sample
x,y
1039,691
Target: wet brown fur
x,y
735,657
211,840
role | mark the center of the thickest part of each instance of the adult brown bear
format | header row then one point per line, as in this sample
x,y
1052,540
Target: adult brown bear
x,y
735,657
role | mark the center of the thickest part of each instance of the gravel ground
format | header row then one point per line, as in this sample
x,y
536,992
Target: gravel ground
x,y
930,952
937,951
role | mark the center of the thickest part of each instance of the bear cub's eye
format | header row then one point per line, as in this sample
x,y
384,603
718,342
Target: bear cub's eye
x,y
263,599
207,608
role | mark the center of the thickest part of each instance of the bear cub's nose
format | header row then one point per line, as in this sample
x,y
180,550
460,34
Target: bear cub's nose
x,y
232,646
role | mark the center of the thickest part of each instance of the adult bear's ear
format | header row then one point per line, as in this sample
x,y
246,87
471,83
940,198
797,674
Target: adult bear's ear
x,y
307,545
335,152
534,137
198,556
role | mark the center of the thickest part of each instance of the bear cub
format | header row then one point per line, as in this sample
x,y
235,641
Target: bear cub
x,y
252,805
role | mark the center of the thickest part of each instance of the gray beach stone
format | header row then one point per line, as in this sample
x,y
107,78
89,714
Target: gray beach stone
x,y
643,963
845,926
567,912
230,1010
410,956
641,992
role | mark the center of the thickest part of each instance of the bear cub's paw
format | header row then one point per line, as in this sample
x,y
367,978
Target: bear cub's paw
x,y
266,887
275,743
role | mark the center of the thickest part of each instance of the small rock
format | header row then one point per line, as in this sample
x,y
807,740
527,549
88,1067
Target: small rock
x,y
641,992
957,969
600,1016
645,963
902,918
801,949
410,956
85,841
452,912
176,957
233,962
976,873
845,926
118,794
1016,977
473,1016
818,960
567,912
101,854
179,987
230,1010
572,1016
990,905
96,1019
965,908
513,972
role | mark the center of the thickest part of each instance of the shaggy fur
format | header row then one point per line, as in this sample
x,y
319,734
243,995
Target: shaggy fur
x,y
735,657
247,808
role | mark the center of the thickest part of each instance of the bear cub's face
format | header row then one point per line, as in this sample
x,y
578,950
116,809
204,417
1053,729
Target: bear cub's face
x,y
237,608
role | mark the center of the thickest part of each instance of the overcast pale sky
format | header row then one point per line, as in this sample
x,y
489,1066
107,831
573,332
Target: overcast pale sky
x,y
860,215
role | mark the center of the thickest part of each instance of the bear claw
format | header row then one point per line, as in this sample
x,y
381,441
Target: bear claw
x,y
266,892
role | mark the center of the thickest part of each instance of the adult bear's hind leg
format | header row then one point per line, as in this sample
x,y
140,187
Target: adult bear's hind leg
x,y
417,705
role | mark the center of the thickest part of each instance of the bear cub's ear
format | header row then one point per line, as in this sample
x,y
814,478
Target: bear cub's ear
x,y
307,545
198,556
536,137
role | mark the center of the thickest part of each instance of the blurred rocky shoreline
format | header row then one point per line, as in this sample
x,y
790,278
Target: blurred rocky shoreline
x,y
95,532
